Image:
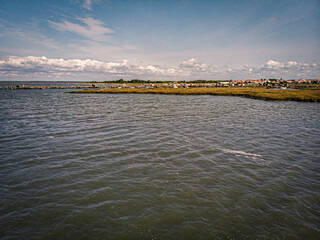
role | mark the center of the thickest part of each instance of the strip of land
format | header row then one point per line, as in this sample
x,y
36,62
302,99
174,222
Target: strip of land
x,y
302,95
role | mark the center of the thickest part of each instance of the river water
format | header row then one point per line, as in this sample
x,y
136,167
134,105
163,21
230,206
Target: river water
x,y
157,167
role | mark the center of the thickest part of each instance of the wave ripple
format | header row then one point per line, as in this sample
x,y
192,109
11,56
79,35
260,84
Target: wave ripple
x,y
157,167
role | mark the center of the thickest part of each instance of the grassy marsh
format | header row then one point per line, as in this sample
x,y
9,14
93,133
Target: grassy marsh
x,y
305,95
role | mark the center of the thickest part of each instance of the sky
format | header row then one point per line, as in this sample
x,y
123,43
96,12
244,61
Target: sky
x,y
99,40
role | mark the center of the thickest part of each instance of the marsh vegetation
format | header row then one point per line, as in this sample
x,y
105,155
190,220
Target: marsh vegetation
x,y
305,95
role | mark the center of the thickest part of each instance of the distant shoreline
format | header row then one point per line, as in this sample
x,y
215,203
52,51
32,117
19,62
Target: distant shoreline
x,y
303,95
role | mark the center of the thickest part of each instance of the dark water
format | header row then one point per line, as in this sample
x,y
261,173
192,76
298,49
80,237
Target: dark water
x,y
5,84
157,167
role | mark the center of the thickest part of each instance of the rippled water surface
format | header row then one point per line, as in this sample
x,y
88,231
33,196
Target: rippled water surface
x,y
157,167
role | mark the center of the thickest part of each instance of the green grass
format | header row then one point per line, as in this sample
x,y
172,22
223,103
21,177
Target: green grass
x,y
305,95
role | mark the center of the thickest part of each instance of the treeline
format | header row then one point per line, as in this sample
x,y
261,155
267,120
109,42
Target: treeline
x,y
149,81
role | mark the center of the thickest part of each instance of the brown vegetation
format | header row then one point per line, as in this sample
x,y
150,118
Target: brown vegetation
x,y
305,95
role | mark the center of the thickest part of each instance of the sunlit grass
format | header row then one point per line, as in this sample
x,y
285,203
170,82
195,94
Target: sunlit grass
x,y
308,95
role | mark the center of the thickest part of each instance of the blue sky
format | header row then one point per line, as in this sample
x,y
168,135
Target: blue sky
x,y
159,40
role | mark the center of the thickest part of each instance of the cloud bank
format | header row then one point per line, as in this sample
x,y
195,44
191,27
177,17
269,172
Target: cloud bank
x,y
31,66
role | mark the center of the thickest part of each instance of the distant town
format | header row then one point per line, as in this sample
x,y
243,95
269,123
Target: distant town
x,y
267,83
148,84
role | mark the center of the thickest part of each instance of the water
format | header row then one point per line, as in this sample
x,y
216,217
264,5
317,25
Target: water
x,y
6,84
157,167
10,84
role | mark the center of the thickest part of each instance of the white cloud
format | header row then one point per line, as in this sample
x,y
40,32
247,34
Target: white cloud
x,y
292,63
54,65
61,65
96,43
191,69
273,64
194,65
91,28
290,69
87,4
28,37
